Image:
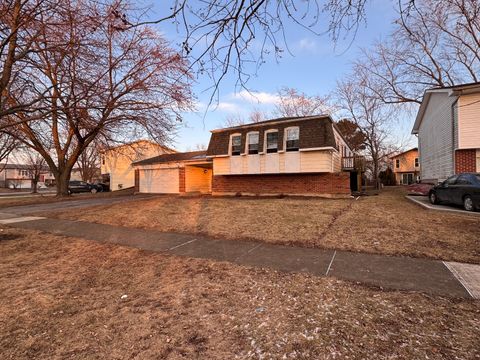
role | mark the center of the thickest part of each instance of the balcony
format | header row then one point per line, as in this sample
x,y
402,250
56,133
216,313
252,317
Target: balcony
x,y
353,163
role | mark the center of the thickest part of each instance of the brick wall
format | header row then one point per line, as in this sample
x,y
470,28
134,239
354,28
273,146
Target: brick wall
x,y
181,179
301,184
465,161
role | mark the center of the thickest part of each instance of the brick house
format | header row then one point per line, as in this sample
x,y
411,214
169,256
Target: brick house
x,y
406,167
294,156
298,155
448,130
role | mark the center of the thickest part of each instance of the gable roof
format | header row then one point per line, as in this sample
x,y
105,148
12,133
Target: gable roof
x,y
139,142
166,158
315,132
403,153
455,90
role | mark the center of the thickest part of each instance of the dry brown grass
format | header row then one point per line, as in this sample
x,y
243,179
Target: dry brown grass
x,y
62,298
386,224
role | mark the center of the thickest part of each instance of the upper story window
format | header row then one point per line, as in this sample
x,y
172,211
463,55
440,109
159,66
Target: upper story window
x,y
397,163
272,141
236,144
292,139
252,141
416,162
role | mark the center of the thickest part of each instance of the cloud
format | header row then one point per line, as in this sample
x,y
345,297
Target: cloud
x,y
307,44
257,97
227,107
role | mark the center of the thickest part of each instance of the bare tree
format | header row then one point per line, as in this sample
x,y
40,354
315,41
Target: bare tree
x,y
36,167
8,144
372,118
295,103
88,163
435,44
103,81
18,29
236,119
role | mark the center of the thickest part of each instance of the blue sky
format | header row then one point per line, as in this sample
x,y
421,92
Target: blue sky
x,y
314,68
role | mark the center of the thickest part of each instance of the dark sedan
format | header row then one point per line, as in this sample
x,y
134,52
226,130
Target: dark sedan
x,y
81,187
460,189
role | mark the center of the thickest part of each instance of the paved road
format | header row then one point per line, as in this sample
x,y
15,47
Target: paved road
x,y
400,273
38,209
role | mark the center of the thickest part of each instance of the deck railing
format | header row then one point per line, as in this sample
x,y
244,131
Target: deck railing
x,y
353,163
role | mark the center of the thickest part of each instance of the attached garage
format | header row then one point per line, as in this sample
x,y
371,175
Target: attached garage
x,y
175,173
161,181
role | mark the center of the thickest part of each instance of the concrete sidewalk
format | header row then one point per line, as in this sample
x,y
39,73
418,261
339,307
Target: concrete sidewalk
x,y
399,273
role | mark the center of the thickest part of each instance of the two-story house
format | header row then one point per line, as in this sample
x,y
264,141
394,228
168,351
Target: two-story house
x,y
292,156
406,167
448,130
19,176
116,162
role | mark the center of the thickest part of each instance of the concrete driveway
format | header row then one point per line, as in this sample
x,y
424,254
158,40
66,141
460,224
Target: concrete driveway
x,y
38,209
425,202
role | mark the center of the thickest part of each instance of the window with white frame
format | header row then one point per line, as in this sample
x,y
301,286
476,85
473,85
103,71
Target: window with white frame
x,y
397,163
292,139
252,141
272,141
416,162
236,144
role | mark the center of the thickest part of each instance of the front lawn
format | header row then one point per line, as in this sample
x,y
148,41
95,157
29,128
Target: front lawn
x,y
386,224
70,298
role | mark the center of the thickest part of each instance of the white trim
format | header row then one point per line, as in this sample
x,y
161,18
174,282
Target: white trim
x,y
285,136
318,148
230,143
247,136
215,156
269,131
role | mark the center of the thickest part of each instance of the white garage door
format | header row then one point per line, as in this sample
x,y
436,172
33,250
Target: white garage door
x,y
162,181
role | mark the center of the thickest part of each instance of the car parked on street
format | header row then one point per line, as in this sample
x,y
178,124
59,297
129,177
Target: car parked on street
x,y
76,186
461,189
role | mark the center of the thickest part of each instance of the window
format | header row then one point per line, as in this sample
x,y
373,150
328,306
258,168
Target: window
x,y
253,143
236,141
292,142
416,162
451,180
272,142
397,163
463,180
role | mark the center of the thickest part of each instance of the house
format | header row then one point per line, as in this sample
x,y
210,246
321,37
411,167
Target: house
x,y
116,162
19,176
448,130
295,155
406,167
174,173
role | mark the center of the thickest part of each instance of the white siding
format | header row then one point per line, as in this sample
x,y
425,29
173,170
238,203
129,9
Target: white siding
x,y
161,181
198,179
469,121
278,163
435,138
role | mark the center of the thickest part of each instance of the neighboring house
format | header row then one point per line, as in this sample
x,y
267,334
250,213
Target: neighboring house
x,y
117,162
448,129
19,176
406,167
297,155
174,173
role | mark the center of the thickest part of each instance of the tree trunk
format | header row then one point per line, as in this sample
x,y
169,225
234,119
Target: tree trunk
x,y
62,178
34,186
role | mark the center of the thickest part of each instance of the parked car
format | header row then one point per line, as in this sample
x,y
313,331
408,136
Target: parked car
x,y
75,186
461,189
102,186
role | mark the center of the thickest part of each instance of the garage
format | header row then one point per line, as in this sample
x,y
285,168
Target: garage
x,y
160,181
188,172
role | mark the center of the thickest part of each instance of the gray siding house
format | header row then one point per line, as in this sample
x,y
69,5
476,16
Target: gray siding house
x,y
448,130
